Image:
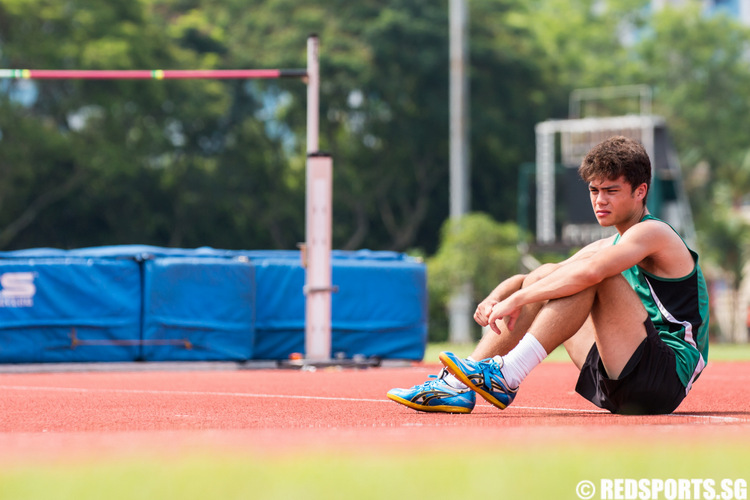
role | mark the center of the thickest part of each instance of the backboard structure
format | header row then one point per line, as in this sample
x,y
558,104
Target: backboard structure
x,y
569,221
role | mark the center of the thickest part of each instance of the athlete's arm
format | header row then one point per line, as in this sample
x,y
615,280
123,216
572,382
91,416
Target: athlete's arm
x,y
590,249
587,269
512,284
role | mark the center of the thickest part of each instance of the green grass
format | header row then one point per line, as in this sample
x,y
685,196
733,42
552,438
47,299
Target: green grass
x,y
716,352
551,471
729,352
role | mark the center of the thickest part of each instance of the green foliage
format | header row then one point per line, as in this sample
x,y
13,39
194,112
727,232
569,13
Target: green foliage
x,y
727,239
204,162
179,163
702,87
475,249
586,41
221,163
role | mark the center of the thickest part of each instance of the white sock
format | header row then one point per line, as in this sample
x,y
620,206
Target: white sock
x,y
523,358
452,381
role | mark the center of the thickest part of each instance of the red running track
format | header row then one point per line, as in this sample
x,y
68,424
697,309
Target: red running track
x,y
61,415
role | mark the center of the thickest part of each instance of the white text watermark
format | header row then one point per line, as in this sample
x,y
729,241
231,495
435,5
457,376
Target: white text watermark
x,y
663,489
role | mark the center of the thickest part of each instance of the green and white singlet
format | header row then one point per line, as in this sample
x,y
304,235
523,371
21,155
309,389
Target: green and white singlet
x,y
679,311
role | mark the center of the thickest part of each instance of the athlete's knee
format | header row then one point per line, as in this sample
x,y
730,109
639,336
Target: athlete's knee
x,y
615,293
615,283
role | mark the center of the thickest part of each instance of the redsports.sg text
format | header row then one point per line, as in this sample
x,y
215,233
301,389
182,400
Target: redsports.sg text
x,y
672,489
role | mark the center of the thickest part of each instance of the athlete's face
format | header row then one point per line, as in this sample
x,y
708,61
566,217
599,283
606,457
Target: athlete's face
x,y
615,202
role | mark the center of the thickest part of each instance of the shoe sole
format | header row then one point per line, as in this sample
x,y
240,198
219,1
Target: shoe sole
x,y
456,371
434,409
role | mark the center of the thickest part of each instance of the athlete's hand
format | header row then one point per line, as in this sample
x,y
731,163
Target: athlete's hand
x,y
482,314
503,311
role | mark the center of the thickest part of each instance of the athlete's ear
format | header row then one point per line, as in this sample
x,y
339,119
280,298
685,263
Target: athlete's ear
x,y
641,191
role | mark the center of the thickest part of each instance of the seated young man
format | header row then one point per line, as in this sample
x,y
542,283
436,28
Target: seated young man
x,y
631,310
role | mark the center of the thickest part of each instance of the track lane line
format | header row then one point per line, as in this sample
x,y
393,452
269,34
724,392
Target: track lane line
x,y
715,418
187,393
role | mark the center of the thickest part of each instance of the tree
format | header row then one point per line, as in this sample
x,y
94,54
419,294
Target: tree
x,y
475,250
698,68
190,163
160,160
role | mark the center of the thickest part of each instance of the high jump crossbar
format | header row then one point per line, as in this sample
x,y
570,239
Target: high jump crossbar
x,y
148,74
311,75
318,214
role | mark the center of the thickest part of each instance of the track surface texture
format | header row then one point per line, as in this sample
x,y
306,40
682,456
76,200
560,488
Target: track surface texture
x,y
58,416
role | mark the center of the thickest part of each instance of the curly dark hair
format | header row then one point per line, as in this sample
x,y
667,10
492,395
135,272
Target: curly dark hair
x,y
618,156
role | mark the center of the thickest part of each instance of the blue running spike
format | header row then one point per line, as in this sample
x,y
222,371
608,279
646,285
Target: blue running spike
x,y
435,395
485,377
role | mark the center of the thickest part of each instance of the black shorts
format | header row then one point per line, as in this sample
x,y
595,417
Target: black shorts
x,y
648,385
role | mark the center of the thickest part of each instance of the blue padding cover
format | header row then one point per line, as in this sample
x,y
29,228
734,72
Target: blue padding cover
x,y
380,308
69,309
147,252
202,304
198,308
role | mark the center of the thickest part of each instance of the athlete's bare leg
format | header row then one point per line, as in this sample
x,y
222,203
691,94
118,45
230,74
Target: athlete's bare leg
x,y
491,344
610,314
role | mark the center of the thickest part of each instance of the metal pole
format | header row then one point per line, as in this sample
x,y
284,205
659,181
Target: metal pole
x,y
318,274
460,304
318,223
459,111
313,94
545,183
